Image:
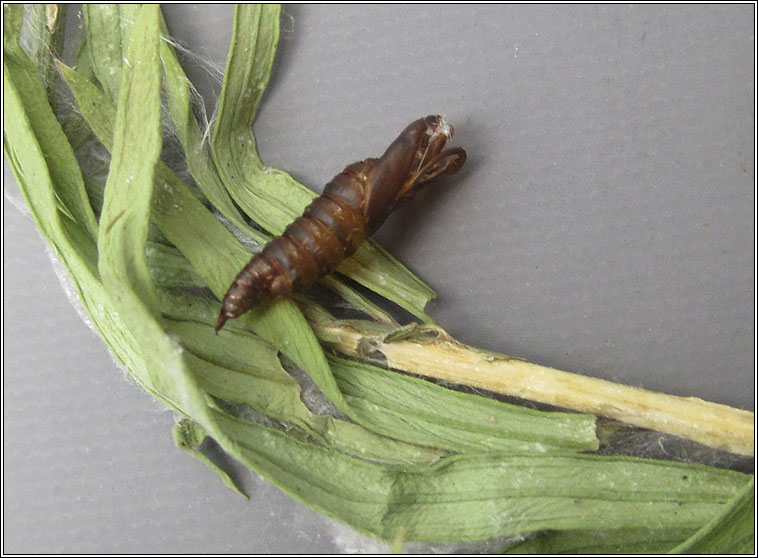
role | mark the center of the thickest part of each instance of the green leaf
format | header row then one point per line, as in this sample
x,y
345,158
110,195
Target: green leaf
x,y
424,413
108,27
400,407
74,246
70,191
169,268
137,143
212,250
43,33
188,436
223,368
732,531
612,541
199,162
481,496
122,239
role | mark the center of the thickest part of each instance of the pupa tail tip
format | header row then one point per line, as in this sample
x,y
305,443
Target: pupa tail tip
x,y
221,321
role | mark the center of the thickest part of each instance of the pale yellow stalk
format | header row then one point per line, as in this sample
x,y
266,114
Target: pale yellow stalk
x,y
429,351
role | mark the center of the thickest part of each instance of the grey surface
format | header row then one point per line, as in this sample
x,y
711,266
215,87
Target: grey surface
x,y
604,224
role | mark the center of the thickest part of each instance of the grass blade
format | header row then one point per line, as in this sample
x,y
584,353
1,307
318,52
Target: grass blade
x,y
201,238
424,413
223,368
616,541
480,496
70,191
189,436
108,27
199,162
137,143
731,532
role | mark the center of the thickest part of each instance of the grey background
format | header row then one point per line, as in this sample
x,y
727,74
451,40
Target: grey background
x,y
603,224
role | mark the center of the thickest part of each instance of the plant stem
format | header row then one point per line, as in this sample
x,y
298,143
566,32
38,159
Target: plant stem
x,y
429,351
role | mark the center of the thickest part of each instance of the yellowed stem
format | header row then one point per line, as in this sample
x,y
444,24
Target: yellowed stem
x,y
442,357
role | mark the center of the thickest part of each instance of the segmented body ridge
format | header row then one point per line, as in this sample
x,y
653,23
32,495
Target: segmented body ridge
x,y
353,205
